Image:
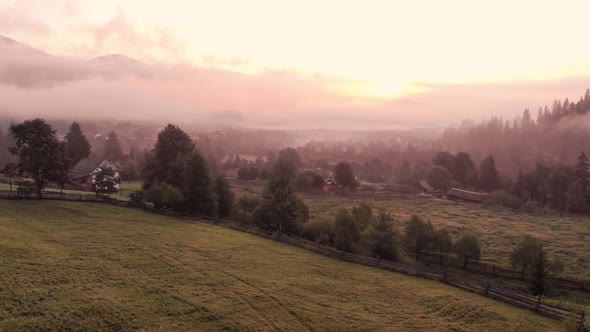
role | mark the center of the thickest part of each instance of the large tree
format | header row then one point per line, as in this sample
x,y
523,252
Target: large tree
x,y
489,178
281,210
112,148
77,146
198,185
465,172
105,182
165,162
290,155
583,173
40,153
343,175
224,196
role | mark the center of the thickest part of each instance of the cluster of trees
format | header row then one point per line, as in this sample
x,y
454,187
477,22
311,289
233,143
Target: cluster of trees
x,y
43,157
555,134
459,170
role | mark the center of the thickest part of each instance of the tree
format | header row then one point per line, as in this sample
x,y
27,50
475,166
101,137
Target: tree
x,y
39,151
318,182
77,146
382,238
446,160
164,163
105,182
346,232
290,155
523,256
465,172
363,215
467,248
583,173
443,243
418,235
281,210
489,179
440,178
11,171
540,272
225,197
198,186
112,148
343,175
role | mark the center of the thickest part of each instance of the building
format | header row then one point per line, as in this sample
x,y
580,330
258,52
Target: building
x,y
467,196
330,185
83,174
231,174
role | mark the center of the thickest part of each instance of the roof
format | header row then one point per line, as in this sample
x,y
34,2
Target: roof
x,y
426,185
86,167
467,195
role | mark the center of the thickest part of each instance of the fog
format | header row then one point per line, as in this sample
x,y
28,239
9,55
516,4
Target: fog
x,y
36,84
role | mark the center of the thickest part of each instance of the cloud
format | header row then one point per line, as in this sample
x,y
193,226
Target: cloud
x,y
19,17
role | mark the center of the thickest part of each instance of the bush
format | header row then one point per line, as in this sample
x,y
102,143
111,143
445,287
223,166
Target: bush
x,y
529,207
25,188
319,230
136,196
244,209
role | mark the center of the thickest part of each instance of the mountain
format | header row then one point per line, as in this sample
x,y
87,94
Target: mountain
x,y
8,44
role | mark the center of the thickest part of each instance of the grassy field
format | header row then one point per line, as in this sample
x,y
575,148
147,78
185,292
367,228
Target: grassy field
x,y
90,266
498,230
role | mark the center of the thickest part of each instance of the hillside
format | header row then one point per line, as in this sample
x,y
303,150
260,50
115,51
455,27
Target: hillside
x,y
93,266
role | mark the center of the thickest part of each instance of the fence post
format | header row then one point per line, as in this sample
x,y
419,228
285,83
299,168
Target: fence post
x,y
538,303
581,327
487,288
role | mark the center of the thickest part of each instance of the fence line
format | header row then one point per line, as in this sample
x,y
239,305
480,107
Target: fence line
x,y
434,273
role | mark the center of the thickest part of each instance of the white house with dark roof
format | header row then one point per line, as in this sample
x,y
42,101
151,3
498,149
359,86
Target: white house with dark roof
x,y
84,172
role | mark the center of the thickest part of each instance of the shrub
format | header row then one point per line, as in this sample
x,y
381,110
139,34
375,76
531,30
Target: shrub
x,y
320,230
505,199
26,188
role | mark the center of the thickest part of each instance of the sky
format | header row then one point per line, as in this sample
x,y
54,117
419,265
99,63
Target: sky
x,y
367,63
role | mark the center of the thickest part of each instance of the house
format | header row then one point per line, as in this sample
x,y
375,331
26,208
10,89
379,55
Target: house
x,y
330,185
84,172
467,196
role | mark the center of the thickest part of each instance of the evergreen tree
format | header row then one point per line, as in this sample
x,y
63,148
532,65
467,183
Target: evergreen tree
x,y
39,152
112,148
583,173
198,186
489,179
225,197
465,171
281,209
166,162
77,146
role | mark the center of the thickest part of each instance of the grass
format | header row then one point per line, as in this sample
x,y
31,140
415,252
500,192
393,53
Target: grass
x,y
498,230
91,266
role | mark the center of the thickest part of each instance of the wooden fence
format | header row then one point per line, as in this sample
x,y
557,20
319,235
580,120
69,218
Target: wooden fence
x,y
493,270
439,273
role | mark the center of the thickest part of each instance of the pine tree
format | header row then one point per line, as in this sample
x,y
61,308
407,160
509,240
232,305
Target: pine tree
x,y
583,173
77,146
112,148
489,179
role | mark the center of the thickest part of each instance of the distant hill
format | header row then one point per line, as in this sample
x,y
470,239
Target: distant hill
x,y
7,44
